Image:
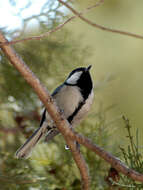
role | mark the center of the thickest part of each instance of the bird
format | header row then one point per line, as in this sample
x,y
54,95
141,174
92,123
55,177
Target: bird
x,y
74,98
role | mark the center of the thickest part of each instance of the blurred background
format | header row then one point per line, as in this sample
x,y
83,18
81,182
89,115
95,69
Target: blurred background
x,y
117,75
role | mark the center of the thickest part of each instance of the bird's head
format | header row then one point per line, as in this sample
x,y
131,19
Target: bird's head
x,y
81,78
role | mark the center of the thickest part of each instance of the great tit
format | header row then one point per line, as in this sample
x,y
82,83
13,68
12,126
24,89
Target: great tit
x,y
74,97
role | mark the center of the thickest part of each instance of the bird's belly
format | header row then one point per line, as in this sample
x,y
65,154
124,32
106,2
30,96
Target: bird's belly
x,y
83,111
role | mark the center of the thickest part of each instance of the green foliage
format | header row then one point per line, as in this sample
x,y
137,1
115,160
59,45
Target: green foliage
x,y
133,159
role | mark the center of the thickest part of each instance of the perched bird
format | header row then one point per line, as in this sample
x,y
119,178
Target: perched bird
x,y
74,97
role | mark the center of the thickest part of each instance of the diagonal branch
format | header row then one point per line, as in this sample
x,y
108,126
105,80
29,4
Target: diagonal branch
x,y
115,162
46,34
61,123
100,26
50,105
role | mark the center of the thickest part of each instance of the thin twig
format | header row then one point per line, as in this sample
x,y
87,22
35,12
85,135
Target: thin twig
x,y
100,26
59,119
46,34
9,130
49,103
8,180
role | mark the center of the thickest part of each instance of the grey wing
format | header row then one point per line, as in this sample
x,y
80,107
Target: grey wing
x,y
57,90
53,131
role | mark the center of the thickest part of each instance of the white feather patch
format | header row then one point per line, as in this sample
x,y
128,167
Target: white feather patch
x,y
74,78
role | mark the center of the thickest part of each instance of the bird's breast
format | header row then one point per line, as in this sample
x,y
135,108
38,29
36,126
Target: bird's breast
x,y
68,99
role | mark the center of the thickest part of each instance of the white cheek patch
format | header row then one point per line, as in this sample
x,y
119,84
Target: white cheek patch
x,y
74,78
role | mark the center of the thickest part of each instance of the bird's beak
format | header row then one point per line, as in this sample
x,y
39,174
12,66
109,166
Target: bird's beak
x,y
88,68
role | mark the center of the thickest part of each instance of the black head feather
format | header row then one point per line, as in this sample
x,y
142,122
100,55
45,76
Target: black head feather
x,y
83,80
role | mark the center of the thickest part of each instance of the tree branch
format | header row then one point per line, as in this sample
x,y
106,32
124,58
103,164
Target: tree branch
x,y
81,164
8,130
50,105
115,162
46,34
100,26
61,123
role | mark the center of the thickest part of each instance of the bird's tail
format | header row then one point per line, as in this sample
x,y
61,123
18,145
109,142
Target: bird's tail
x,y
25,150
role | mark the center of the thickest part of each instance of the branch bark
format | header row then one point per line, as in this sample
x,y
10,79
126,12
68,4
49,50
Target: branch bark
x,y
115,162
50,105
62,124
81,164
100,26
